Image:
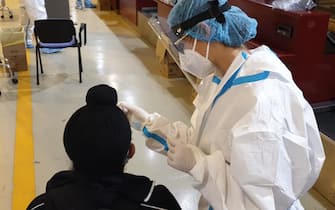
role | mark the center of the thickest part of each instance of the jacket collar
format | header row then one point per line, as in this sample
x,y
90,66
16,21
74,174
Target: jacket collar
x,y
136,188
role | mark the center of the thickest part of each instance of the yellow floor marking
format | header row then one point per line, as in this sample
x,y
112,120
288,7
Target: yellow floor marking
x,y
24,175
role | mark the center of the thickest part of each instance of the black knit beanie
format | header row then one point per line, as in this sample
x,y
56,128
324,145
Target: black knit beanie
x,y
97,136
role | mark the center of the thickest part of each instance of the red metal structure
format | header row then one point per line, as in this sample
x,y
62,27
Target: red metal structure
x,y
300,40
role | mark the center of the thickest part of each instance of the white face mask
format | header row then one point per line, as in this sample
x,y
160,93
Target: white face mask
x,y
196,64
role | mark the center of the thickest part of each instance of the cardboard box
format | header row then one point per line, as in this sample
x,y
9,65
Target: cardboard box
x,y
325,184
105,4
171,70
168,59
13,47
194,92
331,25
160,51
144,28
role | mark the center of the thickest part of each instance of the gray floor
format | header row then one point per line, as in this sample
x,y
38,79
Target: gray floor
x,y
124,62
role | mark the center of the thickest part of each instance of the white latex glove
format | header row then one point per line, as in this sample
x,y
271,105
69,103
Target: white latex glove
x,y
136,115
180,155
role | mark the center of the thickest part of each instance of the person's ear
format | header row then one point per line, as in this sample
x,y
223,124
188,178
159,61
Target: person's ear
x,y
131,151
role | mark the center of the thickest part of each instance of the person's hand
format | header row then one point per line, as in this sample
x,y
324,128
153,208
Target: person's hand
x,y
180,155
136,115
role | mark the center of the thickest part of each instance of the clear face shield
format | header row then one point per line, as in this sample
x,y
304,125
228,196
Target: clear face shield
x,y
177,43
185,42
184,48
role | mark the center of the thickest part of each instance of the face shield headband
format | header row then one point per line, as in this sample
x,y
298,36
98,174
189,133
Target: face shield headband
x,y
214,11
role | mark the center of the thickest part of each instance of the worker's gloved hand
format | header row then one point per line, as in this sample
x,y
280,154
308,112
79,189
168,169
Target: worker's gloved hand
x,y
181,155
136,115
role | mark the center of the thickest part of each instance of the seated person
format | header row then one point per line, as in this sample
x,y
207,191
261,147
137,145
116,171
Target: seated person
x,y
97,138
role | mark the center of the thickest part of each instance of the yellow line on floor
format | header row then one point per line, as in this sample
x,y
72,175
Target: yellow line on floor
x,y
24,175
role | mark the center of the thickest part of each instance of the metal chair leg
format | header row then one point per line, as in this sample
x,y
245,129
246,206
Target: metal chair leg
x,y
37,64
80,64
40,59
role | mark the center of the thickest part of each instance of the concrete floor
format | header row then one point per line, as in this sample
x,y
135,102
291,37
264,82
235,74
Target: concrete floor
x,y
116,55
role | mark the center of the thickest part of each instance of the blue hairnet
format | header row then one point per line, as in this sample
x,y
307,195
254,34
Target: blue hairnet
x,y
237,29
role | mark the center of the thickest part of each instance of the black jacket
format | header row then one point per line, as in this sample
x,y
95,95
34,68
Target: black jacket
x,y
68,190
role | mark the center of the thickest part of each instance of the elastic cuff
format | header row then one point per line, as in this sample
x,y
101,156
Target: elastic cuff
x,y
198,154
199,168
198,171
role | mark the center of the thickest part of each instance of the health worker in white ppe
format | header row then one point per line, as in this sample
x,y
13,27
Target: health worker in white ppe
x,y
253,142
32,10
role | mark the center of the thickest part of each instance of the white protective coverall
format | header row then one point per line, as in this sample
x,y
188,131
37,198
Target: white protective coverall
x,y
35,10
260,141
